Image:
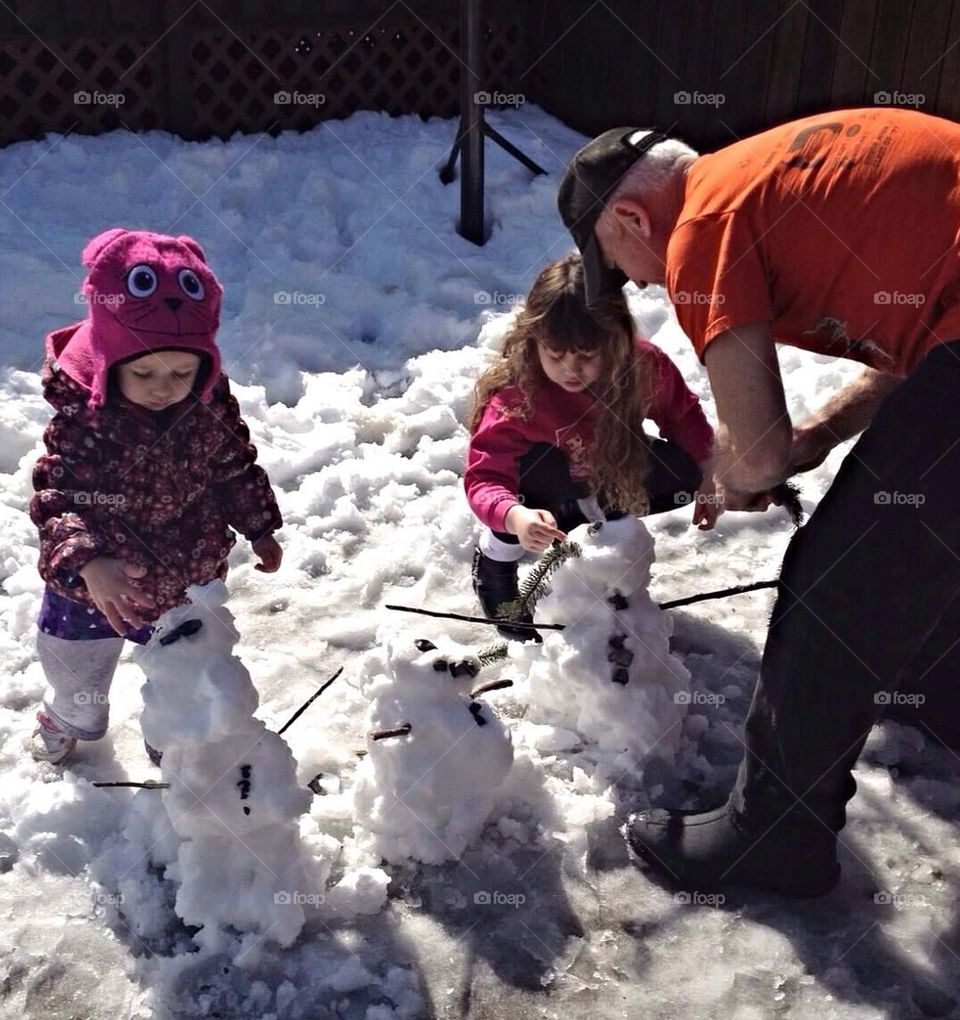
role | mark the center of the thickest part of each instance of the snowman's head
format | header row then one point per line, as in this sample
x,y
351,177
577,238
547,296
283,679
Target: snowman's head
x,y
616,553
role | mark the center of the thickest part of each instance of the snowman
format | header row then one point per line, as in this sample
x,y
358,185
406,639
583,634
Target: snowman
x,y
436,753
609,675
233,799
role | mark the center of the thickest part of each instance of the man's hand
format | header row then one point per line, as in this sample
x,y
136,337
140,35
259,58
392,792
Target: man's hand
x,y
270,553
536,529
110,583
810,448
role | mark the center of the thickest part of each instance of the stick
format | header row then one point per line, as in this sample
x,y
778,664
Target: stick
x,y
313,697
400,731
738,590
491,685
477,619
150,784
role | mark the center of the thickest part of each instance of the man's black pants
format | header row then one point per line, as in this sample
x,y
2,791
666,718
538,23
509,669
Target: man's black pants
x,y
867,615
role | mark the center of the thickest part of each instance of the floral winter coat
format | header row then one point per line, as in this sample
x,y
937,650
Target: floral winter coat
x,y
158,489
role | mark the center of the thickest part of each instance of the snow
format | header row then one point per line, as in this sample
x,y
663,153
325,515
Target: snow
x,y
356,391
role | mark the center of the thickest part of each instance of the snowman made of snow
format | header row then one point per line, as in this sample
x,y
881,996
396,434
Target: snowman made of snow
x,y
233,798
436,754
609,675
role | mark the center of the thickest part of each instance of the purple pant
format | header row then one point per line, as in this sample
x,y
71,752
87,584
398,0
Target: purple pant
x,y
73,621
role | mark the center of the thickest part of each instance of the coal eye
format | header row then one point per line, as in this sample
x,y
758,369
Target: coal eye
x,y
190,284
141,281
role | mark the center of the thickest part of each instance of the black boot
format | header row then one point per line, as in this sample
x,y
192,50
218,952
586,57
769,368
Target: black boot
x,y
495,584
716,849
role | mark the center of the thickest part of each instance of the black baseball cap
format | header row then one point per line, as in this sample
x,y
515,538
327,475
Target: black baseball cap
x,y
590,179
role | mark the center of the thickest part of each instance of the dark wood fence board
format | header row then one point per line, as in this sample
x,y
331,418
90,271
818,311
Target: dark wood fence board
x,y
783,85
819,55
852,76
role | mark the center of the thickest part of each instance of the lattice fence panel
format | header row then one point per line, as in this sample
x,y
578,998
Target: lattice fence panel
x,y
86,85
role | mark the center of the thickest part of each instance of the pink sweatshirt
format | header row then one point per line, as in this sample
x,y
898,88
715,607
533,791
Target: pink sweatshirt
x,y
567,420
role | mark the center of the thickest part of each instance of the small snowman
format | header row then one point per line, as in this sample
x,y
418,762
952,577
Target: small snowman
x,y
609,675
233,798
436,753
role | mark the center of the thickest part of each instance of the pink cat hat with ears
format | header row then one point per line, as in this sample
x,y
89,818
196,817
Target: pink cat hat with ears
x,y
145,292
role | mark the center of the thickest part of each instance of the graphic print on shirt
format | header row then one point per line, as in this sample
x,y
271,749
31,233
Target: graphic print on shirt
x,y
571,442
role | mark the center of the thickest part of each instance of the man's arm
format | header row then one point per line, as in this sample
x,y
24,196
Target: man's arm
x,y
845,415
755,435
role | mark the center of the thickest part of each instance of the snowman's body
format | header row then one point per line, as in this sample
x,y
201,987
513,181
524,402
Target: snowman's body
x,y
609,675
427,793
233,797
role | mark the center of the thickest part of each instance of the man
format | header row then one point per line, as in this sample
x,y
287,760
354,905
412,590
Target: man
x,y
838,234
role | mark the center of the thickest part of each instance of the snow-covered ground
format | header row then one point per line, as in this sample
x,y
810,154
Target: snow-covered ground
x,y
352,323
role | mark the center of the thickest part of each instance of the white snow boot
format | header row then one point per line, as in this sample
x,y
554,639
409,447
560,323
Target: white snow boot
x,y
48,743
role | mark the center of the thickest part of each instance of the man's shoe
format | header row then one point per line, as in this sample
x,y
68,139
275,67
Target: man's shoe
x,y
716,848
495,584
49,743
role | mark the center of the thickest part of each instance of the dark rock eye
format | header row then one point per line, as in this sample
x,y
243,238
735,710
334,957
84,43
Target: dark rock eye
x,y
141,281
423,645
190,284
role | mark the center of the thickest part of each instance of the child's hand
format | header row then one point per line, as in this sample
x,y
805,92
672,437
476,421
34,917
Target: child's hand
x,y
707,505
270,553
536,529
110,583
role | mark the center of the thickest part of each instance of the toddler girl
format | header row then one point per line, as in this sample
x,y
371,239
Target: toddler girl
x,y
556,433
149,467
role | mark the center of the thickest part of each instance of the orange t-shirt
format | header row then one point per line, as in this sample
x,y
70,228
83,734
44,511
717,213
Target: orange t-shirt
x,y
840,230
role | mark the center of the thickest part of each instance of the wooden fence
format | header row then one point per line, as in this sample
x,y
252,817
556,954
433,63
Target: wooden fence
x,y
710,70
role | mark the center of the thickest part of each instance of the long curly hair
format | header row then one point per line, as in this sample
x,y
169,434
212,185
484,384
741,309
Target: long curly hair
x,y
555,314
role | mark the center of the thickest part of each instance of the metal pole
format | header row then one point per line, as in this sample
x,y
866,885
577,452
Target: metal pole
x,y
471,120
